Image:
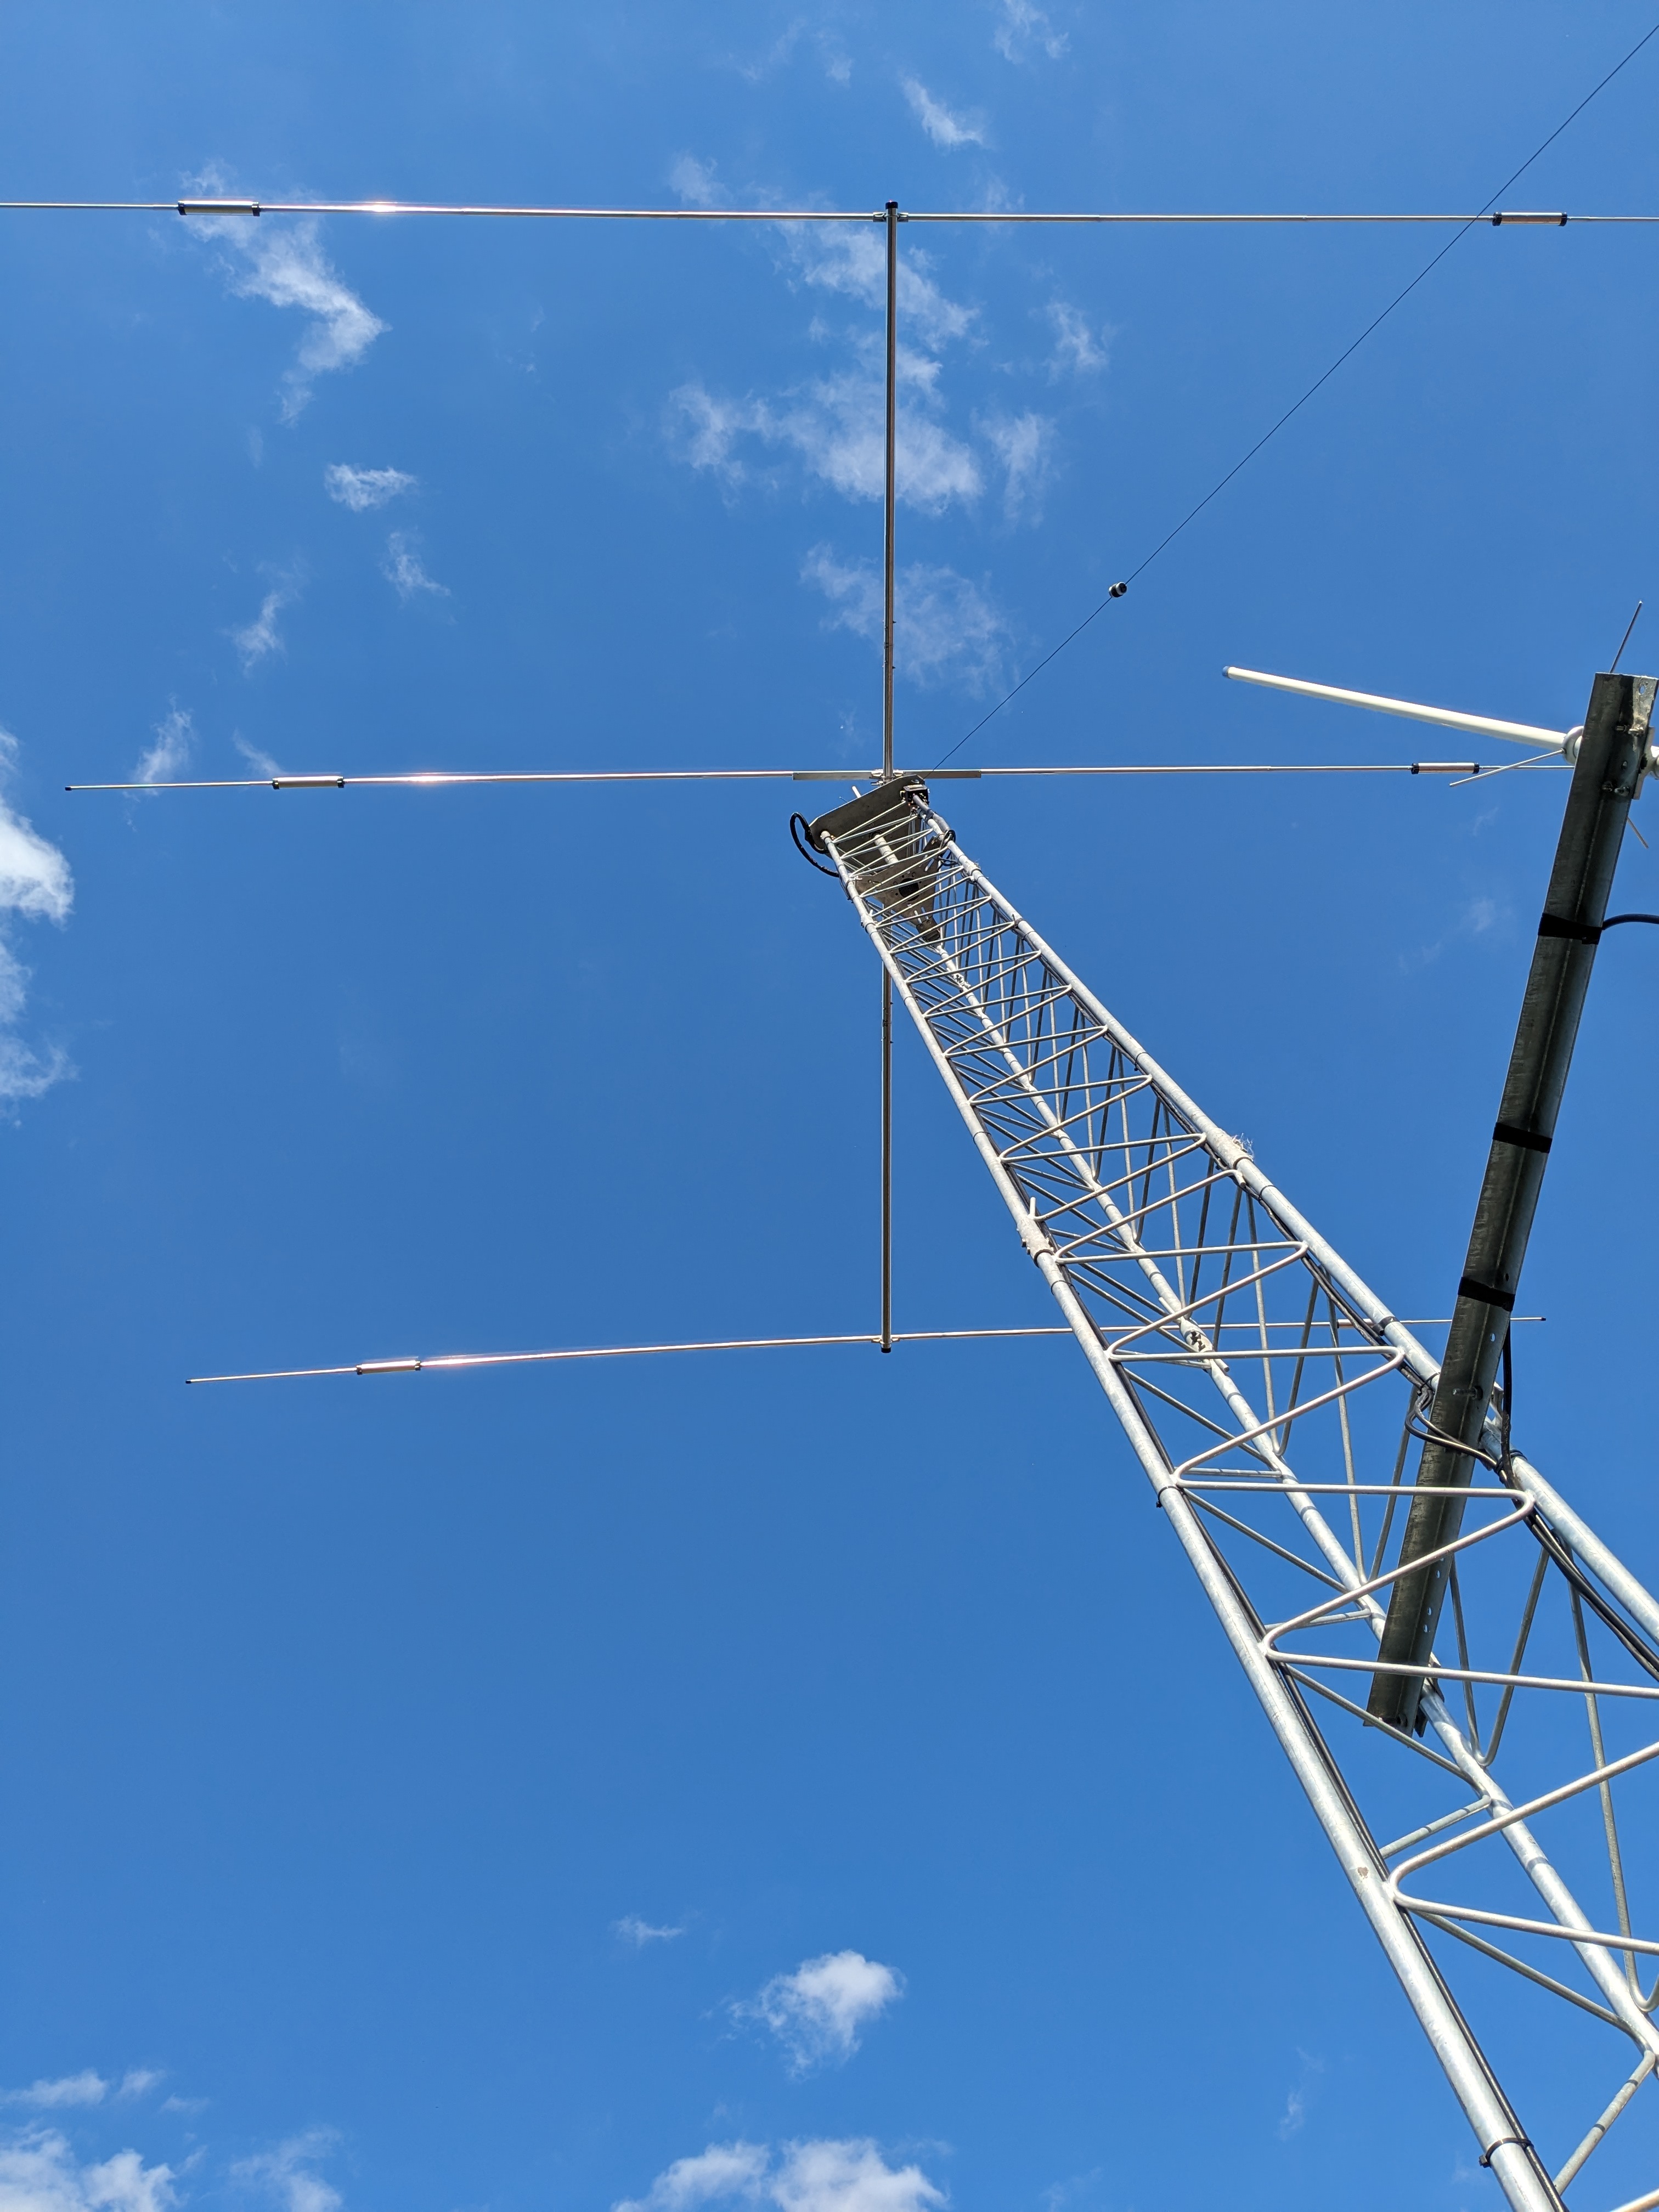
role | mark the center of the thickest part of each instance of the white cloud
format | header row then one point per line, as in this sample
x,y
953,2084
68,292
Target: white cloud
x,y
137,2079
1077,347
260,637
362,488
824,2175
34,877
35,883
256,759
288,2172
1478,916
723,2169
944,628
1024,446
694,181
1024,25
852,259
83,2088
944,128
40,2172
639,1932
175,734
1295,2114
816,2012
849,2177
276,259
403,566
832,55
836,425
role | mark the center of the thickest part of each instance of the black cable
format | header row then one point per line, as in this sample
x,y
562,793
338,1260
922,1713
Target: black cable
x,y
1192,513
804,850
1613,920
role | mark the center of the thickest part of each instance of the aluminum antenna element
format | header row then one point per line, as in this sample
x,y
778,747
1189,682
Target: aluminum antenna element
x,y
1270,1400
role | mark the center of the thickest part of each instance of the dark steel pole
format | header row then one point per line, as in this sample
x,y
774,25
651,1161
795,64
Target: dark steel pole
x,y
1610,754
891,490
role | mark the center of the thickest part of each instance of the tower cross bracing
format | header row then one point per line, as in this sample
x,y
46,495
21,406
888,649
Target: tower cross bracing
x,y
1274,1403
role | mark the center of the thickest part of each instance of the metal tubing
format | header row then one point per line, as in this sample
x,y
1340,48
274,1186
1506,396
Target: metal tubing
x,y
1611,757
1044,1047
437,1361
421,778
1229,1152
886,1161
1519,734
1626,2090
1555,218
891,497
1586,1547
1496,2127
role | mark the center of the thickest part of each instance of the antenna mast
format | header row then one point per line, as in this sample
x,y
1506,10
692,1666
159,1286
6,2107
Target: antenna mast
x,y
889,533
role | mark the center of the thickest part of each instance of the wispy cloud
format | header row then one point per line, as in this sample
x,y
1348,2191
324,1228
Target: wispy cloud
x,y
1022,29
696,182
40,2172
839,257
260,638
404,570
1294,2116
86,2088
825,2175
944,628
943,127
288,2173
816,2012
736,2169
1024,446
282,260
255,755
1077,348
632,1929
138,2081
35,884
175,737
835,426
362,488
832,55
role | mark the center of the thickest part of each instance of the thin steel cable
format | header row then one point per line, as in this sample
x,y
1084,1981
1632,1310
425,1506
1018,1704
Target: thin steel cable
x,y
1216,490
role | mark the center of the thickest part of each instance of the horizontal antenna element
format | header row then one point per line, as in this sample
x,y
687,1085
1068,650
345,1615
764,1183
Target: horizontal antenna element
x,y
449,1359
1554,218
434,779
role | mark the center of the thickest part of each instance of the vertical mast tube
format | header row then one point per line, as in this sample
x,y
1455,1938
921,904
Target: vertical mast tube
x,y
891,492
886,1161
889,504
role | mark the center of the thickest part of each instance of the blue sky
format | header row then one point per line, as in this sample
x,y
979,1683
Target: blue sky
x,y
453,1792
